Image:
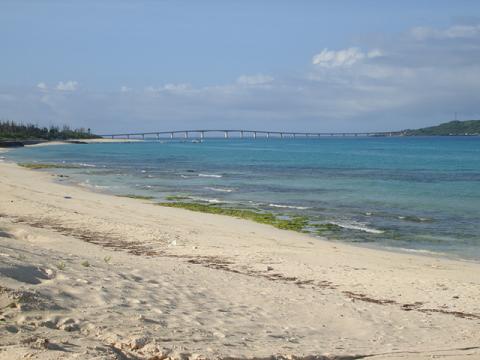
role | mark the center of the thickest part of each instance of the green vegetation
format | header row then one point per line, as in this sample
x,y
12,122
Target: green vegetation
x,y
61,265
469,127
326,228
138,197
37,166
176,197
85,263
10,130
295,223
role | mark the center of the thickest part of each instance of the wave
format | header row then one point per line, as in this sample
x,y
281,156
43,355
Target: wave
x,y
213,201
210,175
414,218
420,251
84,164
219,189
102,187
357,226
88,185
289,206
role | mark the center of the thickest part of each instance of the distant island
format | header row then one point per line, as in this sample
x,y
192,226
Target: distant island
x,y
452,128
14,134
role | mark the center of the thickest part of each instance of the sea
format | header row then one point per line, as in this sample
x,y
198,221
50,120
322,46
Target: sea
x,y
415,194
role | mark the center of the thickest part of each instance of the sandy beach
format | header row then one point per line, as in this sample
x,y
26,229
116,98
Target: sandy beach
x,y
93,276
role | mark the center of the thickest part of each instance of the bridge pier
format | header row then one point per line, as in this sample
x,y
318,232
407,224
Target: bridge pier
x,y
143,136
268,135
254,134
186,134
158,136
226,134
202,134
171,135
241,134
281,135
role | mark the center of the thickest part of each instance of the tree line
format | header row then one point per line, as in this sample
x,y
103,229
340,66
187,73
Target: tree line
x,y
13,130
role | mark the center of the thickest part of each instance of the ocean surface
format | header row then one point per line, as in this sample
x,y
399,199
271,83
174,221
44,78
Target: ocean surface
x,y
417,194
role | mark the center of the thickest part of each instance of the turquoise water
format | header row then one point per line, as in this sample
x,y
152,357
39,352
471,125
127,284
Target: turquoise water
x,y
421,194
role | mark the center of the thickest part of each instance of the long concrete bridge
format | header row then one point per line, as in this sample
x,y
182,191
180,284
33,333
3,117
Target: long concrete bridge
x,y
201,134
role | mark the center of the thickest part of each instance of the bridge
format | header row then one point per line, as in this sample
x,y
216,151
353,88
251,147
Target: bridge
x,y
203,133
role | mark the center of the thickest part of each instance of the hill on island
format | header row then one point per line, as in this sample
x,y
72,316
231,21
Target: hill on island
x,y
10,130
452,128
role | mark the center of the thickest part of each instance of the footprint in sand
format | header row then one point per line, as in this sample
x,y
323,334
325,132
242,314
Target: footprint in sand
x,y
27,274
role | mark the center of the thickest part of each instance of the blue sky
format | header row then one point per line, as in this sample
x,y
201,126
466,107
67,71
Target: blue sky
x,y
293,65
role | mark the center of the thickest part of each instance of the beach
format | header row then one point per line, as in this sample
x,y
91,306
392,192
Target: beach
x,y
85,275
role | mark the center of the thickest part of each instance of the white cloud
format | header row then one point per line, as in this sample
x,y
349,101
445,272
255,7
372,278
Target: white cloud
x,y
125,89
252,80
374,53
42,86
176,88
343,58
454,32
67,86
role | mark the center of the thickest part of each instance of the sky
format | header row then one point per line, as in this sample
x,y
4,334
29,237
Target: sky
x,y
298,65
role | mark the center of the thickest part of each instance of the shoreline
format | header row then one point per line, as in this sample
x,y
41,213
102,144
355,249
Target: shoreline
x,y
171,268
374,246
368,245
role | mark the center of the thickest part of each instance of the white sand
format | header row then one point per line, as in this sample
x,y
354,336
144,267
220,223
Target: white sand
x,y
92,276
107,140
87,141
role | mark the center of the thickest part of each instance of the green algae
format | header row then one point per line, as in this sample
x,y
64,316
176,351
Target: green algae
x,y
326,228
37,166
139,197
176,197
294,223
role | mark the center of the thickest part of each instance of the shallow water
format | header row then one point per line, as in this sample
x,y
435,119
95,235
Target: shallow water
x,y
421,194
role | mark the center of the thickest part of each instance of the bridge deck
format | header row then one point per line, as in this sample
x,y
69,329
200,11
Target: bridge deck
x,y
243,133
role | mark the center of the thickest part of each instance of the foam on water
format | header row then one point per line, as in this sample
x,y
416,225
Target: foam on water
x,y
210,175
357,226
218,189
209,200
289,206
